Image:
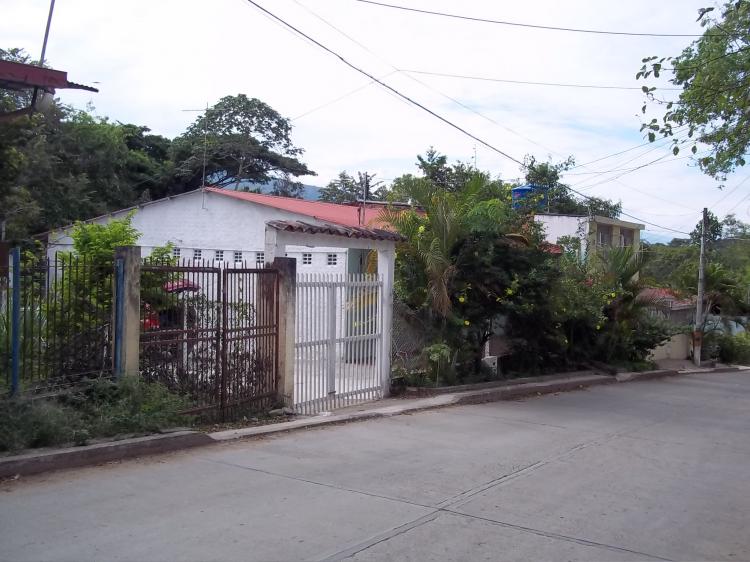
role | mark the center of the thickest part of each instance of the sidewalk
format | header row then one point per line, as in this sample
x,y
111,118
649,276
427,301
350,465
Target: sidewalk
x,y
72,457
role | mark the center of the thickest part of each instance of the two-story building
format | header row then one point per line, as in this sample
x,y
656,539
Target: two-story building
x,y
595,232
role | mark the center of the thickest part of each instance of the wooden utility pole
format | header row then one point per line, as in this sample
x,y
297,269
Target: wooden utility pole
x,y
698,327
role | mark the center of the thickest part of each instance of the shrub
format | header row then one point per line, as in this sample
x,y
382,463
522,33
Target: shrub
x,y
28,423
103,408
734,349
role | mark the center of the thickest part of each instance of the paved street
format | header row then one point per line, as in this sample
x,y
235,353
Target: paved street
x,y
644,471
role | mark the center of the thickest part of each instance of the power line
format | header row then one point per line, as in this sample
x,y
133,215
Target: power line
x,y
531,83
384,85
735,188
338,99
414,102
420,82
533,26
586,197
469,108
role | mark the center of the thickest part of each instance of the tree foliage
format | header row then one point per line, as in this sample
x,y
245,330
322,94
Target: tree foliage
x,y
241,139
713,106
558,196
63,164
347,189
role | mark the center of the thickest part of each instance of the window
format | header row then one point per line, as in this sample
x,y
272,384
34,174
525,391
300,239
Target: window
x,y
219,256
260,259
306,259
238,257
604,235
197,254
176,253
332,259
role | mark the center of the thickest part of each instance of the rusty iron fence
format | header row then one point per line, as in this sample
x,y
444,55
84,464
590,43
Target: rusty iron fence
x,y
209,331
55,321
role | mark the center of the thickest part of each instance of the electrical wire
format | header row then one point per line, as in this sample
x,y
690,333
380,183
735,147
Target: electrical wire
x,y
531,83
338,99
483,116
726,195
411,101
414,79
385,85
534,26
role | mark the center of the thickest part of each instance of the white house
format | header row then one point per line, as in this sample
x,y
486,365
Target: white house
x,y
218,225
594,232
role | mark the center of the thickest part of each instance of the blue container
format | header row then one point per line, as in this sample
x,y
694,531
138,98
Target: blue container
x,y
520,194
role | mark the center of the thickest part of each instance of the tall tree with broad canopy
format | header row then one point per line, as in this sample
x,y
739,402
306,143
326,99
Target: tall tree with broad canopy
x,y
242,140
348,189
713,106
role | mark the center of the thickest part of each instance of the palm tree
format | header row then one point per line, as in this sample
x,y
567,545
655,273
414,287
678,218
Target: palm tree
x,y
432,231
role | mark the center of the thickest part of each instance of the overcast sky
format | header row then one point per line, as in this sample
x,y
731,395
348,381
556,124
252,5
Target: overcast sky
x,y
154,59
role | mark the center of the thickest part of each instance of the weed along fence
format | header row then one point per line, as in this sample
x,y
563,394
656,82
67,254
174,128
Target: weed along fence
x,y
227,338
55,321
210,331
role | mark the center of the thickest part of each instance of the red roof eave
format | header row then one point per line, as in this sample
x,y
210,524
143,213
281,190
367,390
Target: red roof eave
x,y
16,75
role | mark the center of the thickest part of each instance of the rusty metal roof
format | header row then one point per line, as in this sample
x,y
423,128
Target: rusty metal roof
x,y
337,230
16,75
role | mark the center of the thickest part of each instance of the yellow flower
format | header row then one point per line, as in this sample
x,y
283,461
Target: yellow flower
x,y
420,229
613,295
598,327
462,299
466,322
509,291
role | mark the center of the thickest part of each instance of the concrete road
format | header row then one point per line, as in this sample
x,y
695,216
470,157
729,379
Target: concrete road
x,y
643,471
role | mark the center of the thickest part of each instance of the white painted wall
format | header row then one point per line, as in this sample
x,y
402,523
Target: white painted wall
x,y
210,222
557,226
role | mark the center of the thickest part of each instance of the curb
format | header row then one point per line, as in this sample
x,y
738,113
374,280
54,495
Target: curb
x,y
425,391
75,457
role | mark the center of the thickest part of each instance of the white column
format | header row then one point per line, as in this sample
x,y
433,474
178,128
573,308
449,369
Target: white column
x,y
275,245
386,267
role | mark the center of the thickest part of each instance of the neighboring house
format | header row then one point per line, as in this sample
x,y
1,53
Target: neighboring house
x,y
218,225
594,232
668,305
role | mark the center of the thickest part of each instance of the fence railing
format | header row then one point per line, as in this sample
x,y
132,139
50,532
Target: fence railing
x,y
55,321
338,341
209,331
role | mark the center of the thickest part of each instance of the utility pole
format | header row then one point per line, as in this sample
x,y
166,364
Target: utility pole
x,y
698,327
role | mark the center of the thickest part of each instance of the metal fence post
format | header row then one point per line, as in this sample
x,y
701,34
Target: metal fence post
x,y
15,321
119,310
127,325
331,339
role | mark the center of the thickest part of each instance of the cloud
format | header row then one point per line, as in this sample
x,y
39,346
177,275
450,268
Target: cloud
x,y
156,59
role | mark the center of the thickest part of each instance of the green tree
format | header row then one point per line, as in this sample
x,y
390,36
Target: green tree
x,y
243,140
346,189
713,105
560,199
713,231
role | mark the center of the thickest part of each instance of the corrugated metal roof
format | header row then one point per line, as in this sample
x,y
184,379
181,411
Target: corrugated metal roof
x,y
15,75
337,230
346,215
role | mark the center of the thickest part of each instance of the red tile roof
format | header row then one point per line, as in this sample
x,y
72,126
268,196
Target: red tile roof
x,y
345,215
337,230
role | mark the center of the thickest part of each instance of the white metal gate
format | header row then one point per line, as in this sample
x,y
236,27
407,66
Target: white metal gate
x,y
339,344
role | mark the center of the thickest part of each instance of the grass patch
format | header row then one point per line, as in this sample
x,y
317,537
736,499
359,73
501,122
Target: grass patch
x,y
101,409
